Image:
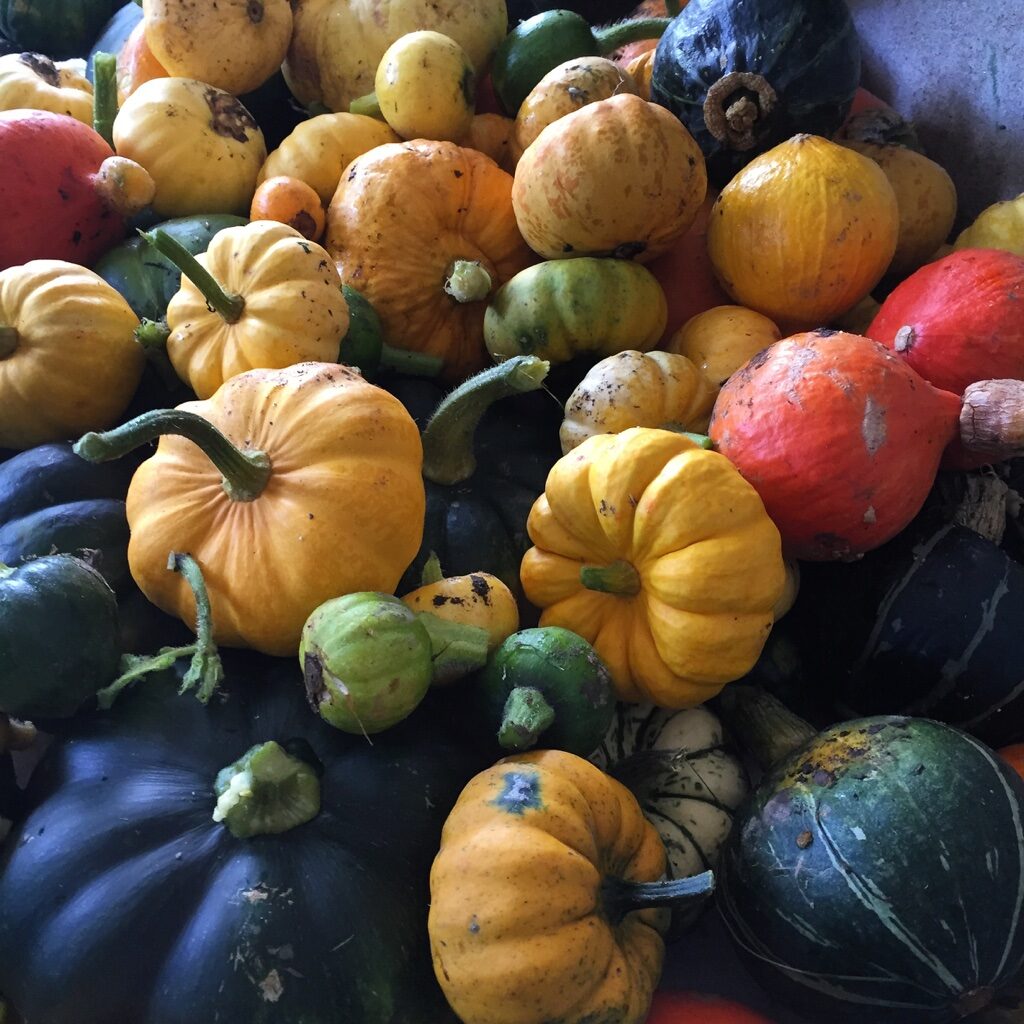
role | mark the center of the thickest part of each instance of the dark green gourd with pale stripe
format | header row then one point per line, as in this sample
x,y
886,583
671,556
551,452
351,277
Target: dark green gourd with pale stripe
x,y
877,875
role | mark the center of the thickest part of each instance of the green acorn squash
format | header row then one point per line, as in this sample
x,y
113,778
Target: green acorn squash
x,y
58,28
175,918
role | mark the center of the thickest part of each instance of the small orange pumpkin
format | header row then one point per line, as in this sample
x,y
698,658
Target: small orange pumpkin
x,y
289,201
136,63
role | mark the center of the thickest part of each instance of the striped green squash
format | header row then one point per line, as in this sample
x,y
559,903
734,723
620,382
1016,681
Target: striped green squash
x,y
877,874
685,778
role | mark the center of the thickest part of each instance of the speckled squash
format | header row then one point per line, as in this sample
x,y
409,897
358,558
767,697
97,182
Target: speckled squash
x,y
662,556
530,858
32,81
637,389
620,177
804,231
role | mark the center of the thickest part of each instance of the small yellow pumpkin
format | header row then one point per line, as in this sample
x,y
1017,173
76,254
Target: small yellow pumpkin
x,y
565,88
660,555
234,45
637,389
640,68
32,81
925,195
69,360
288,487
276,301
721,339
198,143
804,231
620,177
536,911
999,226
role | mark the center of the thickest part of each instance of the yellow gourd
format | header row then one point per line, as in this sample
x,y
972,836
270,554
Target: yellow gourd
x,y
69,360
999,226
275,299
662,556
32,81
637,389
535,897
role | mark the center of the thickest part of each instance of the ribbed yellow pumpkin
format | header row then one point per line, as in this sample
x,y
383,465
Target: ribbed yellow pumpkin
x,y
662,556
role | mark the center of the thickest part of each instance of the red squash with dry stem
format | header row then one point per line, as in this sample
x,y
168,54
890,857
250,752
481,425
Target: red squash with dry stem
x,y
842,439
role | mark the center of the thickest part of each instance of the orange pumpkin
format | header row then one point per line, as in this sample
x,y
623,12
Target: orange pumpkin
x,y
620,177
136,63
425,230
491,134
289,201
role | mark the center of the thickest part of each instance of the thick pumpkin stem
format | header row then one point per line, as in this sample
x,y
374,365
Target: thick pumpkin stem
x,y
228,305
152,335
527,714
265,792
992,418
620,578
468,281
104,96
619,897
763,724
614,36
456,649
735,105
245,473
8,341
448,455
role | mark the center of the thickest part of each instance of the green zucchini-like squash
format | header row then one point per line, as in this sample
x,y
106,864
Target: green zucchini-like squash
x,y
877,873
175,919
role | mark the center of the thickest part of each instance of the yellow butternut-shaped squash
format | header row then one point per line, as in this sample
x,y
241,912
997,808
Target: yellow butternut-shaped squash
x,y
536,896
662,556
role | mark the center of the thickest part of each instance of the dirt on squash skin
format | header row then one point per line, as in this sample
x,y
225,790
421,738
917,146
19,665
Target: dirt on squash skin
x,y
228,117
43,67
845,751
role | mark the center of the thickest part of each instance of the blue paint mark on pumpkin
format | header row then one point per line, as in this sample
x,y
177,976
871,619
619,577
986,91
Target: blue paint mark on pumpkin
x,y
521,793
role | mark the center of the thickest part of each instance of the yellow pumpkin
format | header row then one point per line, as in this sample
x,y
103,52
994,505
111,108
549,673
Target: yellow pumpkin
x,y
620,177
279,302
637,389
530,918
315,493
925,195
660,555
425,230
318,150
804,231
199,144
640,68
491,134
337,45
234,45
721,339
565,88
69,360
999,226
32,81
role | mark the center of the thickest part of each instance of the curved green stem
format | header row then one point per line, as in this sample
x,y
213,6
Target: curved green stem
x,y
245,473
526,715
367,106
448,455
8,341
620,578
611,37
432,571
468,281
152,335
205,672
265,792
104,96
228,305
619,897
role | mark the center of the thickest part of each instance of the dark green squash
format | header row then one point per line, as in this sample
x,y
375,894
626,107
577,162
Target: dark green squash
x,y
477,521
597,12
174,918
877,873
58,28
743,77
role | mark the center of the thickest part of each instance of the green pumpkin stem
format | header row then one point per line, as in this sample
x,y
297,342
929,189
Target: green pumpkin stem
x,y
245,473
456,649
265,792
612,37
701,440
104,96
366,106
152,335
619,577
468,281
228,305
762,724
448,456
8,340
205,672
432,571
527,714
619,897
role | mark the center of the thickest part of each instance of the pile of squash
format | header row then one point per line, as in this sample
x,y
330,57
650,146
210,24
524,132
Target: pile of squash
x,y
586,496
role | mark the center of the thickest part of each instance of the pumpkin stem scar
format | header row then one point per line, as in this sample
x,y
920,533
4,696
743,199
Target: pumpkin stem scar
x,y
619,897
619,578
15,735
735,105
521,792
245,473
468,281
8,341
612,37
